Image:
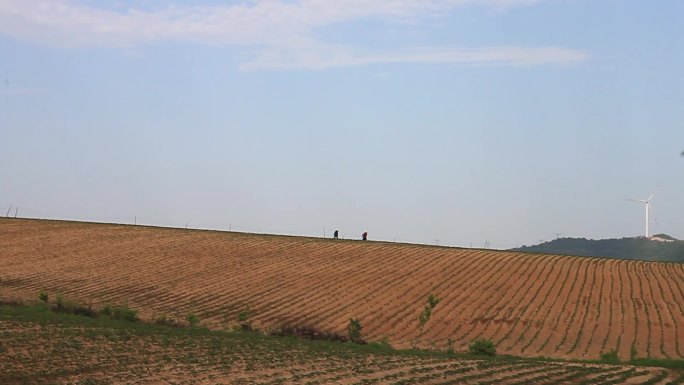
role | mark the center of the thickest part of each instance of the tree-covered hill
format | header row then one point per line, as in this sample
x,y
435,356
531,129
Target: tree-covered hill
x,y
659,247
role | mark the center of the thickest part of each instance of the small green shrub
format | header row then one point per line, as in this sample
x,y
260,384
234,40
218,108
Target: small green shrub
x,y
427,311
70,307
120,312
354,330
425,315
59,302
610,357
107,310
243,316
482,347
124,313
63,305
43,296
193,320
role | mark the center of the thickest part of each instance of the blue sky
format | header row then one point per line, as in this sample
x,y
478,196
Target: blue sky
x,y
456,122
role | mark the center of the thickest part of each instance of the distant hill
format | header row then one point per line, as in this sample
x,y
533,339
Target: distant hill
x,y
660,247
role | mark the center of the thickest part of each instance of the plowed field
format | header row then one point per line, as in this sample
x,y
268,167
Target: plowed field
x,y
40,347
530,305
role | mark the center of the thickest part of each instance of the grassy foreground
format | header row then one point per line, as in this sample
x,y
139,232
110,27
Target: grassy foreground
x,y
39,346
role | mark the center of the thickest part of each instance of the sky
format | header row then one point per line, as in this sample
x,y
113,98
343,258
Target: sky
x,y
470,123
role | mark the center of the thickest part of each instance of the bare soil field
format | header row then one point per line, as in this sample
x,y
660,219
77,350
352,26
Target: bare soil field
x,y
530,305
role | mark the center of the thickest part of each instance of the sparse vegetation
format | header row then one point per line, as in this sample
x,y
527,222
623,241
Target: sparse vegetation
x,y
120,312
665,363
482,347
67,306
354,330
426,314
43,296
193,320
610,357
384,343
63,305
138,350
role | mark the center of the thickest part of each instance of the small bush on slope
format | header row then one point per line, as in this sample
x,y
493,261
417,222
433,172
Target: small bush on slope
x,y
354,330
482,347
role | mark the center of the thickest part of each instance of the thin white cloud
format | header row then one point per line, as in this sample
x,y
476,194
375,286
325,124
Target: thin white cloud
x,y
328,57
281,33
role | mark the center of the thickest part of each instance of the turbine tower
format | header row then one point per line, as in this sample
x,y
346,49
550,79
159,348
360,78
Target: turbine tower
x,y
646,203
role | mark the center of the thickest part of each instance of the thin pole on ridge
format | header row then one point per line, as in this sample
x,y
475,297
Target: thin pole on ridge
x,y
8,210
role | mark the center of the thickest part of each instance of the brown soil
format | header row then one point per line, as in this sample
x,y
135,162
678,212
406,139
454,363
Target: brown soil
x,y
529,304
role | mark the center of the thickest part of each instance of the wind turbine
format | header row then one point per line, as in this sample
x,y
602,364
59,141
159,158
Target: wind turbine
x,y
646,203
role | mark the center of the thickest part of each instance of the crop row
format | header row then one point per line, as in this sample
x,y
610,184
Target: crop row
x,y
528,304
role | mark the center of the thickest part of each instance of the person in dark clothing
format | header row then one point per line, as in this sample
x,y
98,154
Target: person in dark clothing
x,y
336,234
364,236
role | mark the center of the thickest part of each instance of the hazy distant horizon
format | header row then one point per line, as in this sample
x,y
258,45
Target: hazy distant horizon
x,y
457,122
326,233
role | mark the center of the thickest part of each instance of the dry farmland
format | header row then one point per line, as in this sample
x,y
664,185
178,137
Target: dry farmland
x,y
530,305
38,346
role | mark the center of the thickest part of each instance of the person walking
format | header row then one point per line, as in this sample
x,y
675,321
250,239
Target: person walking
x,y
364,236
336,234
